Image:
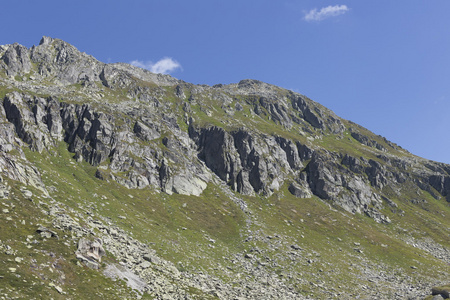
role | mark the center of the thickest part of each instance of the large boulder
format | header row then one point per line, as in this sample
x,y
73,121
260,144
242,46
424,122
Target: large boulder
x,y
90,252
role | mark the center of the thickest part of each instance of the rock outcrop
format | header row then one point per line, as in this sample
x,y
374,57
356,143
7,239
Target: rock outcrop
x,y
128,143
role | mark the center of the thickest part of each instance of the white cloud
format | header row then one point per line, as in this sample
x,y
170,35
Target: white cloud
x,y
165,65
325,12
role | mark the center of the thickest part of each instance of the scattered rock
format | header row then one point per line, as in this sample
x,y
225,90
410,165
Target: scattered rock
x,y
121,272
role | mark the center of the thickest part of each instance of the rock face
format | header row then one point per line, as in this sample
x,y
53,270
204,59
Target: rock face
x,y
237,158
17,59
140,144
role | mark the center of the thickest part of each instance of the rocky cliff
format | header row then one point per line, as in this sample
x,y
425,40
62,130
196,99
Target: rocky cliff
x,y
250,144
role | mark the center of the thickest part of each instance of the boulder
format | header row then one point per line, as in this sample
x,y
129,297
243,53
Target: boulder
x,y
188,185
46,233
90,252
443,291
299,191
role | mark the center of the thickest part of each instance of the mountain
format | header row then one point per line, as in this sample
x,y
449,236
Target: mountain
x,y
120,183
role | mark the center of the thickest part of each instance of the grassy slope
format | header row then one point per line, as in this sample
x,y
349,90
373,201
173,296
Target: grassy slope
x,y
180,228
43,262
336,236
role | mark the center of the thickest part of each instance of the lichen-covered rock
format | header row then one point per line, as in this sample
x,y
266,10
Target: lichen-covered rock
x,y
90,252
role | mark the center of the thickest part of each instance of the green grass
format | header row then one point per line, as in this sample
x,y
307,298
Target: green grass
x,y
44,261
180,227
204,233
333,234
150,217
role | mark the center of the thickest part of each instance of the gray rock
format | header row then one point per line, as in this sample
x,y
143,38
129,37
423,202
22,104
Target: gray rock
x,y
299,191
366,140
146,133
132,280
90,252
292,154
17,60
46,233
152,258
444,292
296,247
145,265
185,185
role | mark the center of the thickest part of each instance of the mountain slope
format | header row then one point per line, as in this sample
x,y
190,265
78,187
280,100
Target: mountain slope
x,y
241,190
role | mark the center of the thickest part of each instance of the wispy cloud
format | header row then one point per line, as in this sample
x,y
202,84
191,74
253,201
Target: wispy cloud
x,y
165,65
325,12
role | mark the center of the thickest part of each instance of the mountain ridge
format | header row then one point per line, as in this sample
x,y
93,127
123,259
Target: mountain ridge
x,y
250,143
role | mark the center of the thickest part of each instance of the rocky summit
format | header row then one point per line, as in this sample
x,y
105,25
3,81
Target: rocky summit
x,y
118,183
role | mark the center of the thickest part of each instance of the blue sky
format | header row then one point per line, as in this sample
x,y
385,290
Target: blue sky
x,y
382,64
